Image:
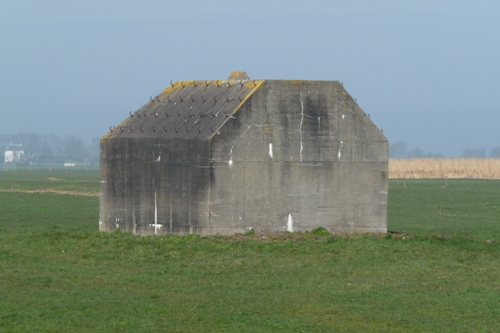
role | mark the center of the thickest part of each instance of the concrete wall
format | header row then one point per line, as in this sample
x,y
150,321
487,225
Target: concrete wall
x,y
297,155
300,155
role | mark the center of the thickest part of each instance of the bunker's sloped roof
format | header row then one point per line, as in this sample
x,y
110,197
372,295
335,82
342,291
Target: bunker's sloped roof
x,y
188,109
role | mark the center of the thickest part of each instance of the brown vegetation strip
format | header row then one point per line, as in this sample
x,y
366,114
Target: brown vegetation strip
x,y
480,168
48,190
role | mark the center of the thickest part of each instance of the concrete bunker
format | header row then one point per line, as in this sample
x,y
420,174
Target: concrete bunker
x,y
222,157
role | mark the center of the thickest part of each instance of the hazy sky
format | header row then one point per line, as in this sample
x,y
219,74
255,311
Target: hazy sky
x,y
427,71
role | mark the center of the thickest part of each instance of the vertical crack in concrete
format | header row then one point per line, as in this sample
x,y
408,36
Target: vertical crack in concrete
x,y
156,215
301,121
289,225
156,225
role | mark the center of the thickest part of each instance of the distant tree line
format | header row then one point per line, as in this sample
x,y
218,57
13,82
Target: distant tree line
x,y
399,150
49,149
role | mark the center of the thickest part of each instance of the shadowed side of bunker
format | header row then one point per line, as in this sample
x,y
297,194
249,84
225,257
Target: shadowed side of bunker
x,y
155,185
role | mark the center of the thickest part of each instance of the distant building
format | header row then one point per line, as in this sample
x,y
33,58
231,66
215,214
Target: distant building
x,y
14,154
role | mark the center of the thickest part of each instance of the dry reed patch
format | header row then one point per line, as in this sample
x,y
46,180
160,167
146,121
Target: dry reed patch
x,y
485,168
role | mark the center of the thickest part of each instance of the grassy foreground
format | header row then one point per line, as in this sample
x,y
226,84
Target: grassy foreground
x,y
439,272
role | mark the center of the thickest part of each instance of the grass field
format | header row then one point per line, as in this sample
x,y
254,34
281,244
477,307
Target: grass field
x,y
79,181
438,271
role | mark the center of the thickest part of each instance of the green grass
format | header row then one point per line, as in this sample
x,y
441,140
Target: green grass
x,y
74,179
449,208
438,273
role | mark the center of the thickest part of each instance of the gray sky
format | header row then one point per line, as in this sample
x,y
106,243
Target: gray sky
x,y
426,71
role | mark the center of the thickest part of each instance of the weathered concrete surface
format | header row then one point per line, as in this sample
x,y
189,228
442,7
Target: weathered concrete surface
x,y
220,157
